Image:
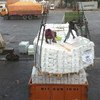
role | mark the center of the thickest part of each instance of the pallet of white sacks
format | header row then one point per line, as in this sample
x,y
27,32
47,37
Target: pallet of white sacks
x,y
65,57
44,78
59,75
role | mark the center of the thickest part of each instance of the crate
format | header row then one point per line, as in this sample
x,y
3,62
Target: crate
x,y
58,91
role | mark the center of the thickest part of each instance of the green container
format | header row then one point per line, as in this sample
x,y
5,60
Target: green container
x,y
69,16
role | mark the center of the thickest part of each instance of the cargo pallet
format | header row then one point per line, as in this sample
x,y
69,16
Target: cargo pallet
x,y
58,91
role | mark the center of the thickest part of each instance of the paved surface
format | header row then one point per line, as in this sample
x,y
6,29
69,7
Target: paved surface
x,y
14,76
94,26
94,73
94,81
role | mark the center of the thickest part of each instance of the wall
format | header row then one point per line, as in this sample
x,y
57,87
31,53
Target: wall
x,y
92,5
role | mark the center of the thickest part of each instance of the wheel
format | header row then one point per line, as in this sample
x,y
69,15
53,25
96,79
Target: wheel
x,y
24,17
30,17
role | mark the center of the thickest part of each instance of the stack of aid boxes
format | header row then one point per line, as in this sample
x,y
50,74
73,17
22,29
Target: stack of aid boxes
x,y
62,65
31,50
23,47
67,59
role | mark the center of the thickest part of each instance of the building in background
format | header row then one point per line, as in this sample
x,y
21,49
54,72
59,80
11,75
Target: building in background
x,y
57,3
68,3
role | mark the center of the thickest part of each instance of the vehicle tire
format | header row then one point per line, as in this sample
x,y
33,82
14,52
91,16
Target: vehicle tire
x,y
24,17
30,17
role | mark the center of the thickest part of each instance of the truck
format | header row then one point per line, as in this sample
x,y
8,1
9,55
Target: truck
x,y
2,5
25,9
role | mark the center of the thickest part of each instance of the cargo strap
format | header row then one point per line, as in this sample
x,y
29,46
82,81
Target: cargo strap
x,y
42,25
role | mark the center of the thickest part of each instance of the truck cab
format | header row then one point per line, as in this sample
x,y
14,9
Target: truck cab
x,y
3,12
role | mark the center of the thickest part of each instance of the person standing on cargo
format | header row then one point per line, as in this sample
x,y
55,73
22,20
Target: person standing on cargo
x,y
50,36
71,27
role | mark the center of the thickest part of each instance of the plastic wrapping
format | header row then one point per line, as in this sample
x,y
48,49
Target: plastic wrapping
x,y
23,46
62,58
37,78
31,50
67,58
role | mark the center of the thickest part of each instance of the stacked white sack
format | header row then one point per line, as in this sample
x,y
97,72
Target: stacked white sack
x,y
56,59
67,58
31,50
62,58
23,46
79,78
86,51
60,29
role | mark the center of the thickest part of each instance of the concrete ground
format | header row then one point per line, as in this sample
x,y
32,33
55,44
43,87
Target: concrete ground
x,y
14,76
94,73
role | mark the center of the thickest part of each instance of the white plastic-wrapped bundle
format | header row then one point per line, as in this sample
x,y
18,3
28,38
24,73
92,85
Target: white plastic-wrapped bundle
x,y
23,46
86,51
69,57
31,50
61,31
80,78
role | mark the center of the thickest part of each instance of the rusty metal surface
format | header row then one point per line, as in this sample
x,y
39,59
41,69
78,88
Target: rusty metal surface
x,y
58,91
